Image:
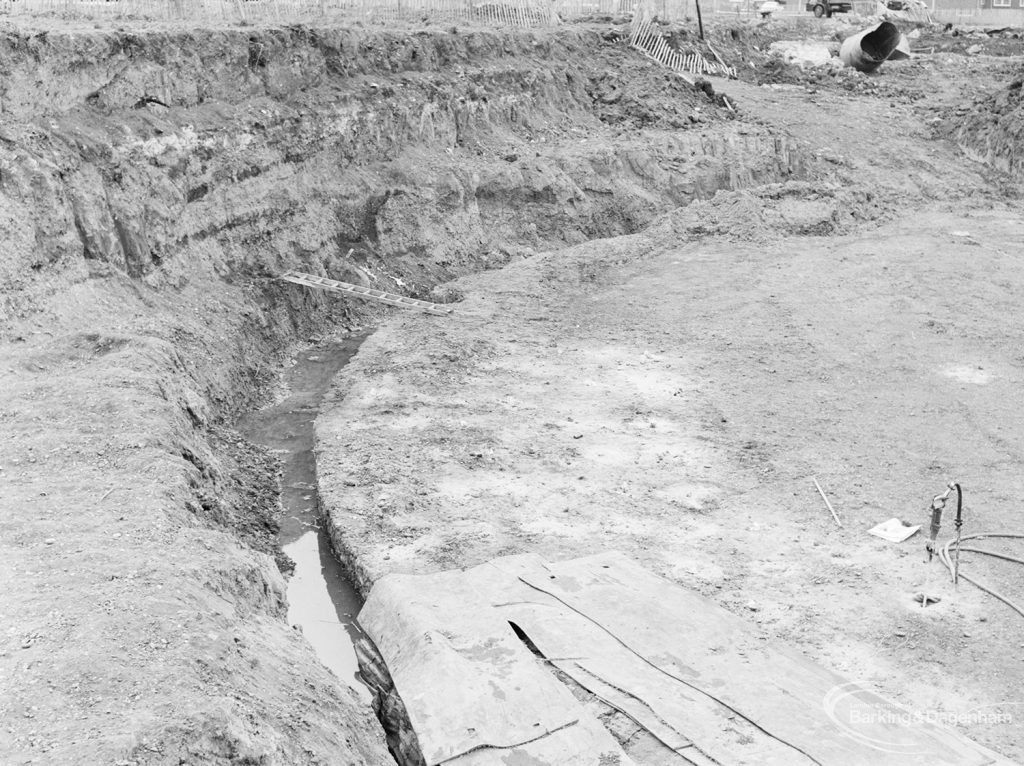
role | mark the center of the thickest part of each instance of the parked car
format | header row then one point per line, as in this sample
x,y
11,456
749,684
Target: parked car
x,y
827,7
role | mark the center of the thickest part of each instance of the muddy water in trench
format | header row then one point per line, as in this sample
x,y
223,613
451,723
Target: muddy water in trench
x,y
320,597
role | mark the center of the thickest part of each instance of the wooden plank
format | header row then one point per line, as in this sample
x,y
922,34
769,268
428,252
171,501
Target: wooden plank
x,y
716,55
311,280
701,645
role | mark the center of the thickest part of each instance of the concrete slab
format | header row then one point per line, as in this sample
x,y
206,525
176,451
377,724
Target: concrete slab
x,y
484,660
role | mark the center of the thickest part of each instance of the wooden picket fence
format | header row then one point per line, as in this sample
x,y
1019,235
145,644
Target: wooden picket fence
x,y
509,13
159,10
568,10
647,38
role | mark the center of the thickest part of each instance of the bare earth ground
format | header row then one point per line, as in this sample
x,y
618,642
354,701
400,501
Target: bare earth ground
x,y
666,393
670,394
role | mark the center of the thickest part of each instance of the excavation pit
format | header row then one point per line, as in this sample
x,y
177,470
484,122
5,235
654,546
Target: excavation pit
x,y
673,314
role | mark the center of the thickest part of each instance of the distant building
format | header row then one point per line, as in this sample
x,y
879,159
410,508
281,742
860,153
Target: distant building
x,y
989,13
1018,4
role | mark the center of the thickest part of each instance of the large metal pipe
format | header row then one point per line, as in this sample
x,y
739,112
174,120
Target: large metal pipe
x,y
865,51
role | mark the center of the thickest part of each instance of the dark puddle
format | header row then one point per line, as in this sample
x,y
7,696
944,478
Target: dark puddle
x,y
320,597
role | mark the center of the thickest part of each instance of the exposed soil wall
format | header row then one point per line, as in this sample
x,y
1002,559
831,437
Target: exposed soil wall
x,y
165,154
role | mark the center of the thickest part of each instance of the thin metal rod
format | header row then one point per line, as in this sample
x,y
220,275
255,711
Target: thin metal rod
x,y
827,503
959,524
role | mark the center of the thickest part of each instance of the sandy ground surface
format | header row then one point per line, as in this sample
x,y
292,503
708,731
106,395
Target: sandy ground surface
x,y
671,394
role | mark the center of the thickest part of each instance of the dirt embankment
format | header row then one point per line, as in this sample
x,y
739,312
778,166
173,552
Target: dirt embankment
x,y
150,183
153,145
992,130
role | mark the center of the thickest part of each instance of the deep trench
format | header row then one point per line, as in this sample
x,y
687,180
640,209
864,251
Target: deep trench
x,y
483,187
230,172
322,601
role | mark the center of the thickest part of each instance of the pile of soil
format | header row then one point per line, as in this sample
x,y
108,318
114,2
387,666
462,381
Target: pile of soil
x,y
992,130
971,41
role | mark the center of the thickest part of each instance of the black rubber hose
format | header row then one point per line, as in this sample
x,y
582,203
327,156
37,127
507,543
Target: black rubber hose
x,y
944,557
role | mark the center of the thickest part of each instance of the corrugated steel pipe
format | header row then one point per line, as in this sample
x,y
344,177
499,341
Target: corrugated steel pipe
x,y
867,50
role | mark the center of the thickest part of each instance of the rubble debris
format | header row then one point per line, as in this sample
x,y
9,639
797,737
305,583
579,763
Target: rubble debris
x,y
902,10
801,52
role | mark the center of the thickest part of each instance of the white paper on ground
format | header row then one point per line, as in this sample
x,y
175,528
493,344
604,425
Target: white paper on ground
x,y
893,530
